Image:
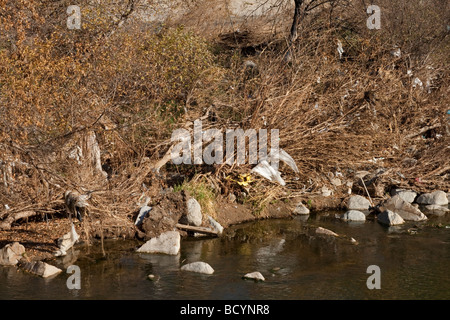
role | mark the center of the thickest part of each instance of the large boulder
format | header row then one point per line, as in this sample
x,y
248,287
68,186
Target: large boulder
x,y
167,243
11,254
407,195
353,215
40,268
357,202
406,210
200,267
437,197
390,218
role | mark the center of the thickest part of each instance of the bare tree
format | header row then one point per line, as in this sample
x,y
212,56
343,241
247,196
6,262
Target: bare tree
x,y
300,9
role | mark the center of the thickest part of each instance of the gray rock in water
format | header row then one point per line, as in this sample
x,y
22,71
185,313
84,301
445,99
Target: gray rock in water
x,y
194,212
436,210
390,218
407,195
168,243
40,268
257,276
301,209
326,232
11,254
437,197
199,266
357,202
353,215
406,210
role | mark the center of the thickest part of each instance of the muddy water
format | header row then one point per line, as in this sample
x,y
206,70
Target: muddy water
x,y
413,260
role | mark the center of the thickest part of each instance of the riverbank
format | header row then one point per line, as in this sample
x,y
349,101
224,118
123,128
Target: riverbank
x,y
354,110
40,237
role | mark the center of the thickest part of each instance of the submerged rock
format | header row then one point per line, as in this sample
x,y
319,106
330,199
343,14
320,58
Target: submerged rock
x,y
390,218
406,210
326,232
257,276
353,215
11,254
436,210
357,202
167,243
199,266
40,268
437,197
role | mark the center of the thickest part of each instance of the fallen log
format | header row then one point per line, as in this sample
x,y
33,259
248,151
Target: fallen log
x,y
10,219
197,229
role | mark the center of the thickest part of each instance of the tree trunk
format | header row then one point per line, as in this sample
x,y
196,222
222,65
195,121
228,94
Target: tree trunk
x,y
295,21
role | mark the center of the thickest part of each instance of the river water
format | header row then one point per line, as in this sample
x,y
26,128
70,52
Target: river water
x,y
413,261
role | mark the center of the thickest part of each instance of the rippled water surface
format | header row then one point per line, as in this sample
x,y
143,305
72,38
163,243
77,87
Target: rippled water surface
x,y
413,259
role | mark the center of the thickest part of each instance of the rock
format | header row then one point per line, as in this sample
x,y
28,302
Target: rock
x,y
67,241
326,192
232,197
353,215
301,209
257,276
152,277
336,182
327,232
200,267
404,209
390,218
215,225
407,195
437,197
168,243
194,212
436,210
40,268
11,254
357,202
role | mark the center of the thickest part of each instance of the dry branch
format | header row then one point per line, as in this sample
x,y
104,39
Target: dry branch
x,y
6,223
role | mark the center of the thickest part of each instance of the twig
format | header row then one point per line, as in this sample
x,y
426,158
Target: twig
x,y
370,199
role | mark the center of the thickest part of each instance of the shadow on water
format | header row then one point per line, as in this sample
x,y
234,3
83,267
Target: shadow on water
x,y
296,263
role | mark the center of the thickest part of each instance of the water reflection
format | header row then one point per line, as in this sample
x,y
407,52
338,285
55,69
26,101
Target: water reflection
x,y
296,263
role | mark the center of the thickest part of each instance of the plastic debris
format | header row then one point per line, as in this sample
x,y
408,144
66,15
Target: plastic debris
x,y
417,83
340,49
67,241
267,171
145,209
271,173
